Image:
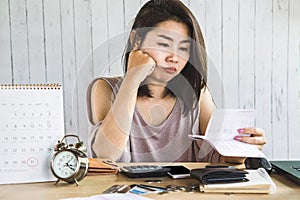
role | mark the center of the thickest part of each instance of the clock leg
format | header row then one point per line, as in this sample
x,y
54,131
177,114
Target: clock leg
x,y
76,182
56,181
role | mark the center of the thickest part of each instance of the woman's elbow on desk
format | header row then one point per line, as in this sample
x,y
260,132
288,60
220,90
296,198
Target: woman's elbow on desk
x,y
103,148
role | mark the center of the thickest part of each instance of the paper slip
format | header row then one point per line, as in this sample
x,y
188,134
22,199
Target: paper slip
x,y
222,128
114,196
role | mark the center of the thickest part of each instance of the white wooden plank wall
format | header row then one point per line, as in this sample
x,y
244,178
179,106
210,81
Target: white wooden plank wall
x,y
263,70
253,48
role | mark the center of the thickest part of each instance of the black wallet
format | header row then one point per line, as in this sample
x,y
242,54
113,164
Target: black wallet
x,y
219,175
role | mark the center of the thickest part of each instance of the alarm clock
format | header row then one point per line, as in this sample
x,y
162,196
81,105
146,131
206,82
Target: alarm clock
x,y
69,162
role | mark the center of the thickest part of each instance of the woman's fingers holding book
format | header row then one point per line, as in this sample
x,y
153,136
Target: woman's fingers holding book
x,y
252,135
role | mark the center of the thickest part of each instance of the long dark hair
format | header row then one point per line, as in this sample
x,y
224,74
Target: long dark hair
x,y
188,84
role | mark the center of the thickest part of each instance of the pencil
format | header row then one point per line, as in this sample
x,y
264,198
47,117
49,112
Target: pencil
x,y
150,187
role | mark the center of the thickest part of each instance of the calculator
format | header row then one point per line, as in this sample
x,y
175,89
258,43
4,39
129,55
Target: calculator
x,y
144,171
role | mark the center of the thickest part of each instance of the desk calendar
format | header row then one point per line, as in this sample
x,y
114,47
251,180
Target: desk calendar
x,y
31,123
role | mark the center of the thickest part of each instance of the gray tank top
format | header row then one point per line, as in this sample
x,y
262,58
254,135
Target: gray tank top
x,y
168,142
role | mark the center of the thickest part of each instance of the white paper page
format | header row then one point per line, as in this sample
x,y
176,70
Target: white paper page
x,y
222,129
31,123
113,196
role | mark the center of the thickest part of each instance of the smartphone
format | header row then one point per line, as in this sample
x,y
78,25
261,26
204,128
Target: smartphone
x,y
179,171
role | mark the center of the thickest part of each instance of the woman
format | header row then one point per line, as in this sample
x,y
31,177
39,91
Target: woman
x,y
148,114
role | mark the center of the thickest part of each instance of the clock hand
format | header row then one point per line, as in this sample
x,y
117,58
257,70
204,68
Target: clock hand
x,y
70,160
67,163
70,166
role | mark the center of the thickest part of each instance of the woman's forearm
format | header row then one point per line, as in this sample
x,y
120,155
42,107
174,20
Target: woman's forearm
x,y
112,135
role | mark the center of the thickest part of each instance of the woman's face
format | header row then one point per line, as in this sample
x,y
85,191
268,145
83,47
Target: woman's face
x,y
169,45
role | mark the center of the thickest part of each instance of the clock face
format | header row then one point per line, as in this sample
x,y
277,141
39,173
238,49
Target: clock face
x,y
65,164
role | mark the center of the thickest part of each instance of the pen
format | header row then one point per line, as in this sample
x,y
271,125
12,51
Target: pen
x,y
150,187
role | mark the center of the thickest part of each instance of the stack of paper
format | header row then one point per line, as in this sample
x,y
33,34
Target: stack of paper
x,y
102,166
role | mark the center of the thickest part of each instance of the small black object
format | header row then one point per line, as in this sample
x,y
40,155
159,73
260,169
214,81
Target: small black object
x,y
178,171
255,163
144,171
219,175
